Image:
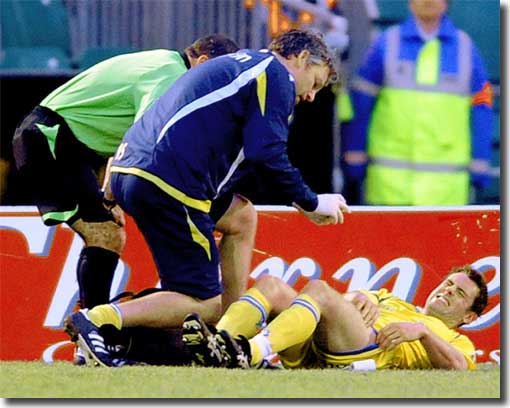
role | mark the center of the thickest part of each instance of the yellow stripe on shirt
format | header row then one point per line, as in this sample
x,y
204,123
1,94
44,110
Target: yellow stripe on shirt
x,y
262,91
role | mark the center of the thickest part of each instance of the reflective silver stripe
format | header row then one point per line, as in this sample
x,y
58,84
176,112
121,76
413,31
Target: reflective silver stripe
x,y
405,164
465,61
367,87
494,172
401,74
391,62
239,159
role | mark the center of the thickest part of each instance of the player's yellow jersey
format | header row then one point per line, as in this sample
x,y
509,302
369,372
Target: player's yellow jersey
x,y
407,355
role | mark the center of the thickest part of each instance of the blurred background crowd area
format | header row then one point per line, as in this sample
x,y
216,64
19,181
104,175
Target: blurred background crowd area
x,y
43,43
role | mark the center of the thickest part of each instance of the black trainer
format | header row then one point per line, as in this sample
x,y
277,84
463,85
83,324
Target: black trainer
x,y
237,351
86,335
201,341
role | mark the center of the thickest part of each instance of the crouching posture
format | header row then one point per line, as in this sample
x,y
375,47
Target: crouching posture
x,y
319,327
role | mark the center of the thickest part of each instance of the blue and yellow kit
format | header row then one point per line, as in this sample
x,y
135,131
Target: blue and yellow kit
x,y
212,126
204,133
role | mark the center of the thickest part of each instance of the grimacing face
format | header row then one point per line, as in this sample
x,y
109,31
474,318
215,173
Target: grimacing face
x,y
452,299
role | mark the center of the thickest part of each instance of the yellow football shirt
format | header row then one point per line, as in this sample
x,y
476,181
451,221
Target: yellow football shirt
x,y
407,355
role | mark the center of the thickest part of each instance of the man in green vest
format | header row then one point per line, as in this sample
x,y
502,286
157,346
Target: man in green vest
x,y
423,117
60,147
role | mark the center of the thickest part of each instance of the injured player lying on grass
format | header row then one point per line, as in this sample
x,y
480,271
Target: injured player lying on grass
x,y
319,328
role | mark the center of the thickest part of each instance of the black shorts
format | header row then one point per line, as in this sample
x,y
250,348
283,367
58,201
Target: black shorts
x,y
220,205
61,179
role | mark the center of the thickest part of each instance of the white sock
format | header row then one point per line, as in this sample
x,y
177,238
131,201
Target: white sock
x,y
262,341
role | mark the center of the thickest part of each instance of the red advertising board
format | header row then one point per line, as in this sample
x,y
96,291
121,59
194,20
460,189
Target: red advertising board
x,y
406,250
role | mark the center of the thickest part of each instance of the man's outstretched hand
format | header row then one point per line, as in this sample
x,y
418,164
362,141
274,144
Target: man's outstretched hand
x,y
329,210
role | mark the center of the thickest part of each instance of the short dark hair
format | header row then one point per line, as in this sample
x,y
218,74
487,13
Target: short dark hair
x,y
212,45
294,41
480,302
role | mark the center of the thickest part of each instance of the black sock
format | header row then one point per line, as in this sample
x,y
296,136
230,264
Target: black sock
x,y
95,270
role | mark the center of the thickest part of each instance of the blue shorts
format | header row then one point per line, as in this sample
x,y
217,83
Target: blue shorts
x,y
180,238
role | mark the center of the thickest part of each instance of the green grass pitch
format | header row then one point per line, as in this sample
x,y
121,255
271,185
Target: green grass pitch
x,y
63,380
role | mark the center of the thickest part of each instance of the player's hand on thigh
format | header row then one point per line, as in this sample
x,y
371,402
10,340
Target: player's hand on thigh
x,y
368,310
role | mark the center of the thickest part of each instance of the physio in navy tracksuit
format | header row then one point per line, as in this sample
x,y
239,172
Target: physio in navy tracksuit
x,y
191,146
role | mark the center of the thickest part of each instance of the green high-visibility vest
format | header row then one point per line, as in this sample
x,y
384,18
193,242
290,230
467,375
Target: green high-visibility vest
x,y
344,110
419,143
